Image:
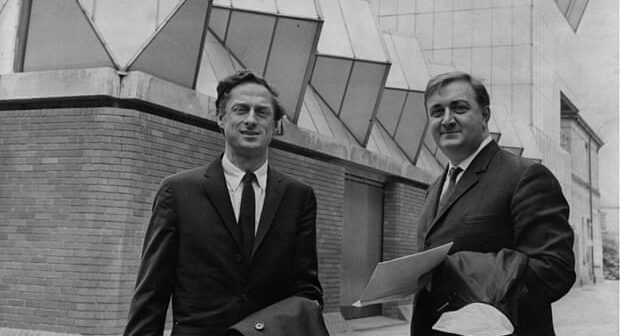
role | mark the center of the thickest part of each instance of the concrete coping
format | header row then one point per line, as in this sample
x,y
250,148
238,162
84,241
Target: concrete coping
x,y
137,88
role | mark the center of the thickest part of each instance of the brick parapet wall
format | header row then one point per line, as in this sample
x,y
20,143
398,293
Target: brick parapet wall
x,y
76,187
403,204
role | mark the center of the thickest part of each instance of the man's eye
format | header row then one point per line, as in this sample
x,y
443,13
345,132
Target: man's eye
x,y
436,111
239,108
460,108
264,112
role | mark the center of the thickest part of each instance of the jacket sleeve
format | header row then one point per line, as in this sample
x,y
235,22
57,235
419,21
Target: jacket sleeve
x,y
147,312
542,232
306,275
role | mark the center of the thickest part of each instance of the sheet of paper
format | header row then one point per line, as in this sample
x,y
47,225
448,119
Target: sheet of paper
x,y
398,278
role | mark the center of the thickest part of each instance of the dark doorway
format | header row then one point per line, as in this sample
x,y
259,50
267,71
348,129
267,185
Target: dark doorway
x,y
361,243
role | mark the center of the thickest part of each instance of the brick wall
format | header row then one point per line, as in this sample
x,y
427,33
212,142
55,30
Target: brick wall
x,y
403,204
76,187
328,182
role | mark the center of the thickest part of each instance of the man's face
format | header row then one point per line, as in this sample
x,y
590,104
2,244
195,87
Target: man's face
x,y
248,120
458,124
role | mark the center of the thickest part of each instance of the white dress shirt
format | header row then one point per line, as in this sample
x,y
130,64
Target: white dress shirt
x,y
233,176
465,163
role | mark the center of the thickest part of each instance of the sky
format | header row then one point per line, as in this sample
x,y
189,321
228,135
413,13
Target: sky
x,y
598,33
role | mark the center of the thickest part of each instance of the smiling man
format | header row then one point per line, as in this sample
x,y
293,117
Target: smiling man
x,y
230,238
506,215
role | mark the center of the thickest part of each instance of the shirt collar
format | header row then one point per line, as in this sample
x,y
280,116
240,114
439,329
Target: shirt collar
x,y
465,163
234,175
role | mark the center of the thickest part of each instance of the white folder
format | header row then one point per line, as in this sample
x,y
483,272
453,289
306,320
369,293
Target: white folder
x,y
398,278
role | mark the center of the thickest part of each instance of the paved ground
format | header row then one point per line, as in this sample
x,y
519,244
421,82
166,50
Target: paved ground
x,y
585,311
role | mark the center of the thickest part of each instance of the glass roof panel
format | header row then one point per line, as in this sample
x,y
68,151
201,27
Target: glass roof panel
x,y
530,146
298,8
249,37
576,13
9,19
216,64
360,100
429,142
336,126
503,120
563,5
385,144
289,59
442,158
218,21
223,63
206,82
268,6
363,31
311,101
428,162
412,61
396,77
305,120
224,3
372,144
60,36
329,78
410,129
334,37
173,54
390,108
493,127
125,24
165,9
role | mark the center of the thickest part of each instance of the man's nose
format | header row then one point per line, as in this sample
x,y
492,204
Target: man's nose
x,y
250,117
447,117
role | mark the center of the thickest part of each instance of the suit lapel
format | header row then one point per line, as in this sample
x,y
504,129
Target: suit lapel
x,y
470,178
214,186
273,197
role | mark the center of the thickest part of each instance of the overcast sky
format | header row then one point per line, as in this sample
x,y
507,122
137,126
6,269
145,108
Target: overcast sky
x,y
598,33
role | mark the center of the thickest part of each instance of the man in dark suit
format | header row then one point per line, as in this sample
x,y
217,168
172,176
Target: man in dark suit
x,y
491,204
230,238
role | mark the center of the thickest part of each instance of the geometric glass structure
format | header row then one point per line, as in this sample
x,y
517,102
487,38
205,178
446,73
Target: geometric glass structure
x,y
276,39
351,65
61,36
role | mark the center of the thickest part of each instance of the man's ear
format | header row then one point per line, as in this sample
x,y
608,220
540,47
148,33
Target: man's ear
x,y
220,123
486,113
278,130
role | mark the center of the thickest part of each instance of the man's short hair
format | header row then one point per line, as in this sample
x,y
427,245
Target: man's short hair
x,y
245,76
438,82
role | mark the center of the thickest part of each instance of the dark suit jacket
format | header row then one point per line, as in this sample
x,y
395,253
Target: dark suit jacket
x,y
192,253
501,202
294,315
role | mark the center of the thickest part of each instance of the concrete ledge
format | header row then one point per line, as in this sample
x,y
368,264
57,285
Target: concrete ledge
x,y
26,332
141,91
73,83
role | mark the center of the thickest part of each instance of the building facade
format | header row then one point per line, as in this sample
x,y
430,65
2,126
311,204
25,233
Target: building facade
x,y
525,52
100,99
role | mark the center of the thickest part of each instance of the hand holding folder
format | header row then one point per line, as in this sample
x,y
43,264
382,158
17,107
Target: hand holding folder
x,y
398,278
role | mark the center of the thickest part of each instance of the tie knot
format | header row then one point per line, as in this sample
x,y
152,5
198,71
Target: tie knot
x,y
454,173
248,178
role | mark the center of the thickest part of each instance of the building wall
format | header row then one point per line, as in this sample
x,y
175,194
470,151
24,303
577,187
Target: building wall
x,y
77,186
403,205
525,52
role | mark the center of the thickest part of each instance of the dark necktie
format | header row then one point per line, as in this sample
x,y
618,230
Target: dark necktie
x,y
247,214
453,174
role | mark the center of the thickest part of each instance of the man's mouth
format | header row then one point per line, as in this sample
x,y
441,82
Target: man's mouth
x,y
250,133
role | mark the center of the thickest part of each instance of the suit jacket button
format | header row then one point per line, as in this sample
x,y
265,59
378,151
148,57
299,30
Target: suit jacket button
x,y
244,297
259,325
238,258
